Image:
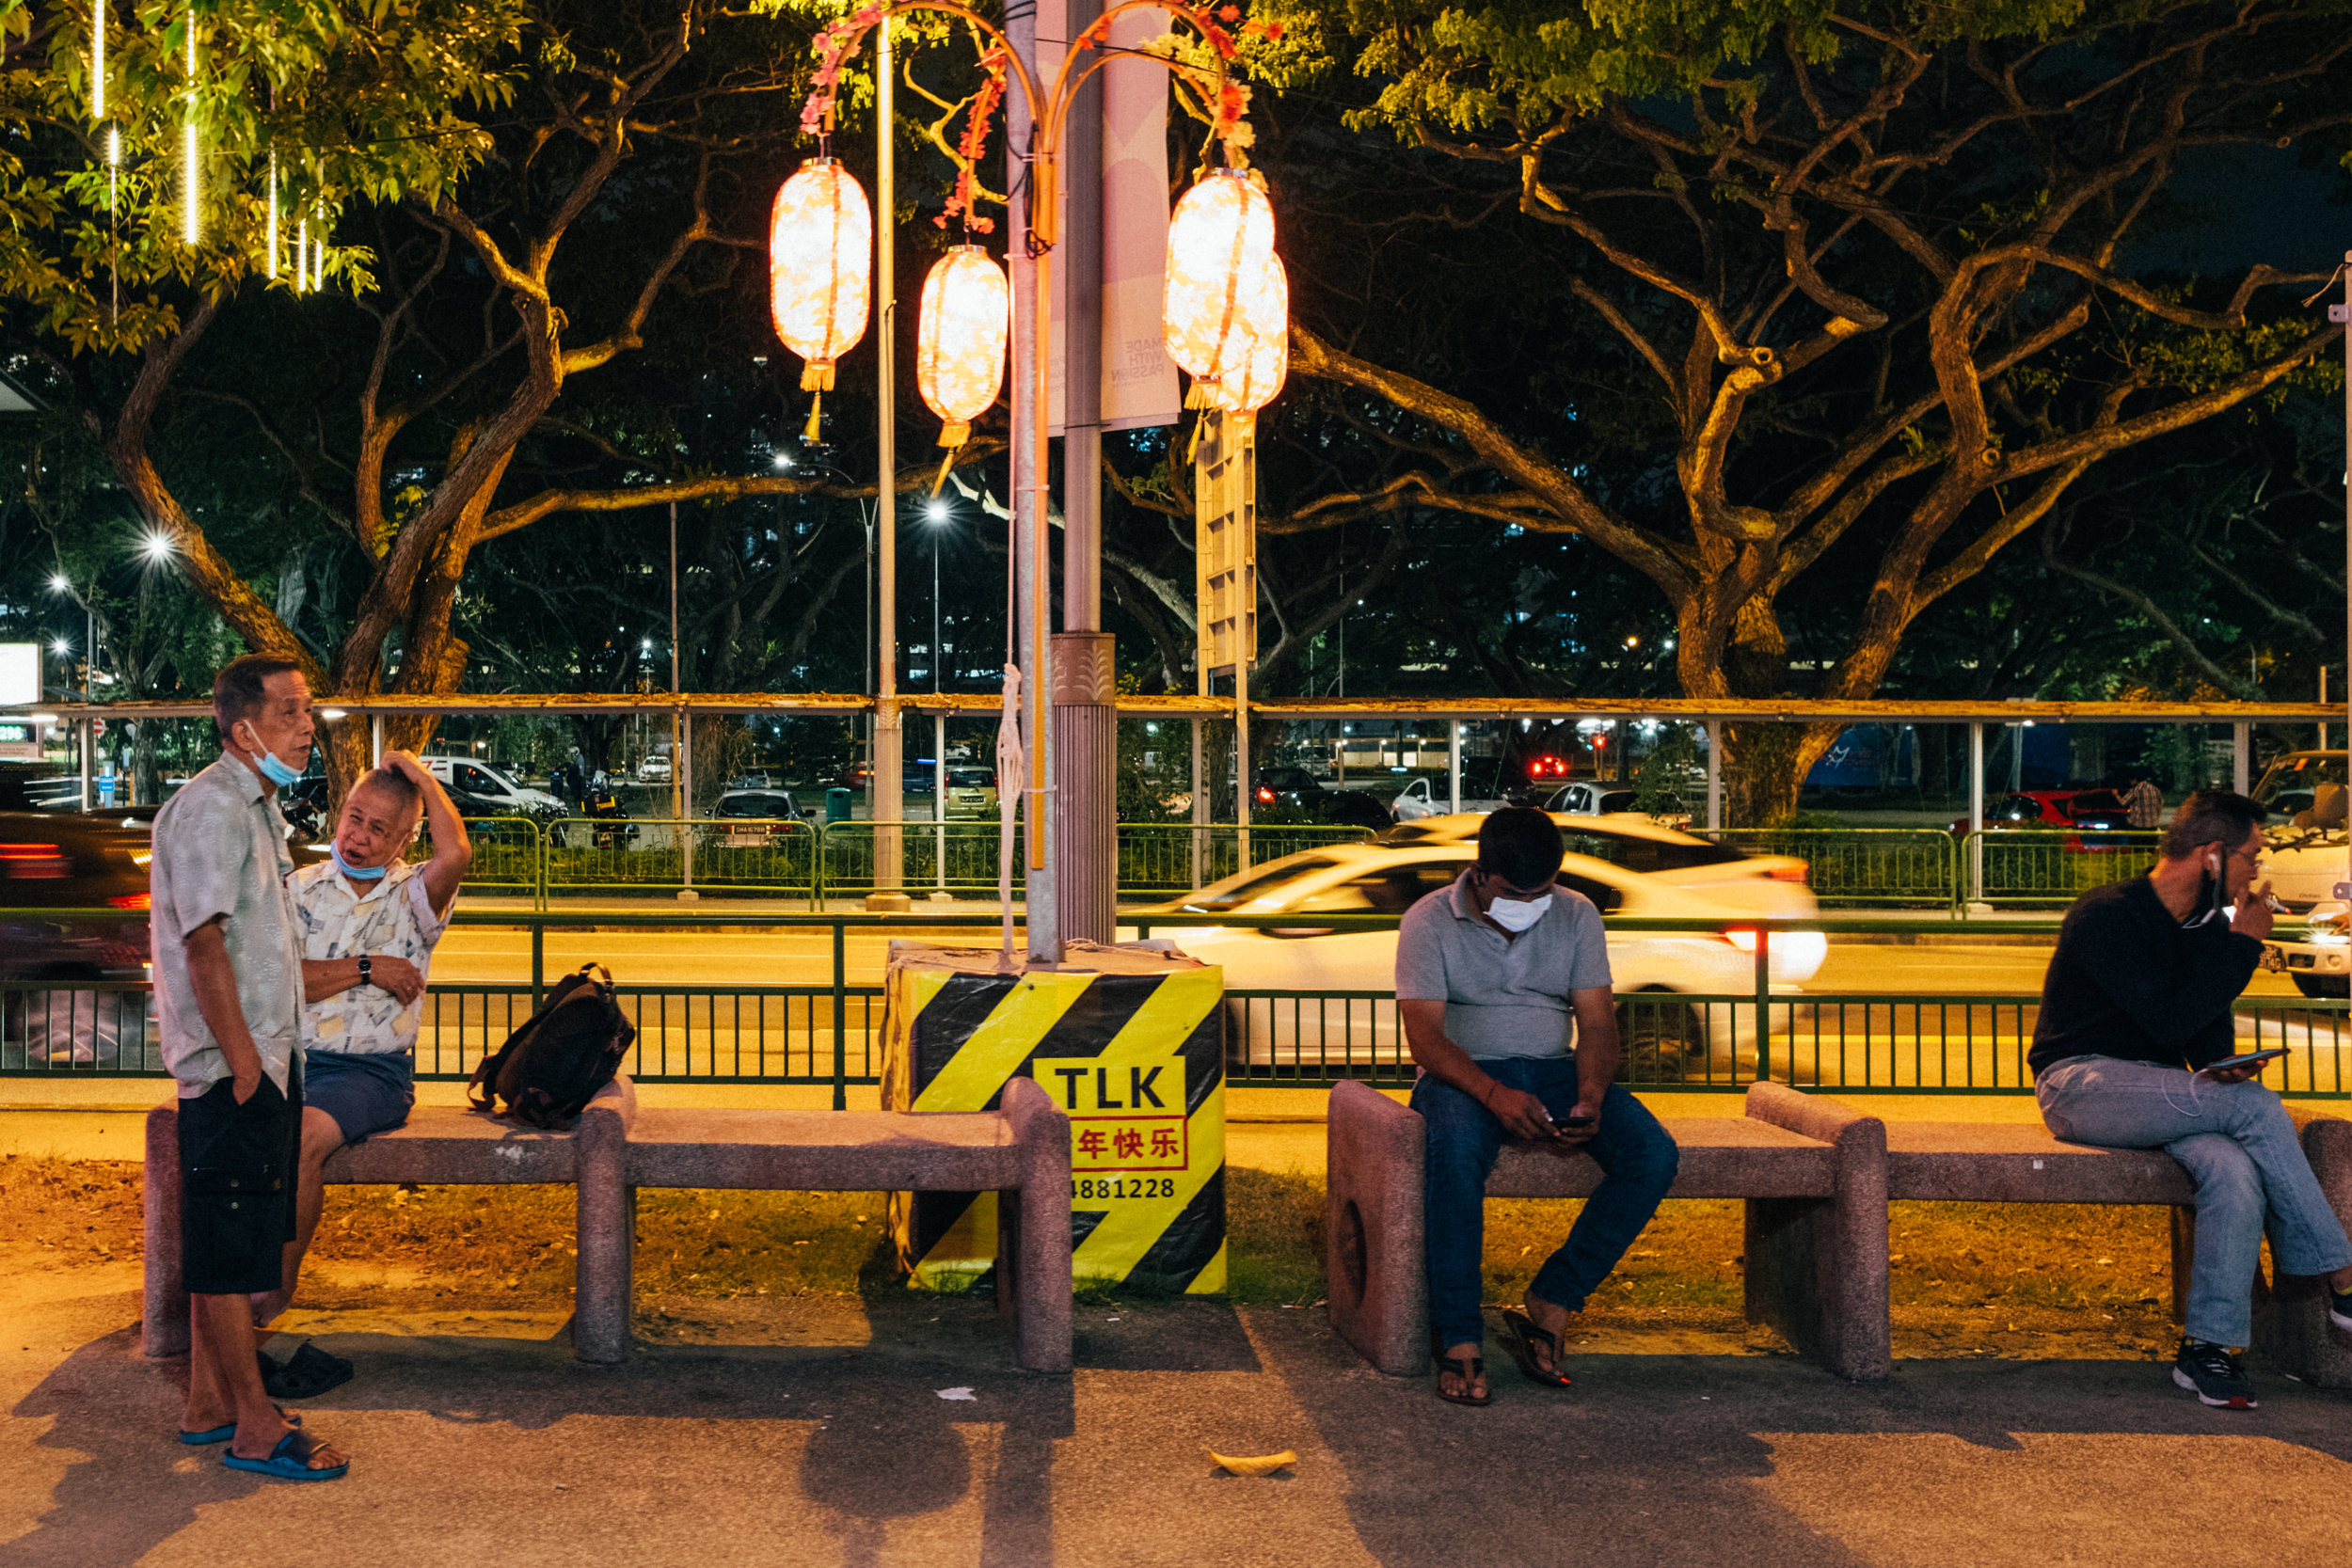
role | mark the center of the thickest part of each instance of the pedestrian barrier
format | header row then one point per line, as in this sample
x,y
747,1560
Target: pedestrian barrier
x,y
571,857
2050,866
1862,867
828,1029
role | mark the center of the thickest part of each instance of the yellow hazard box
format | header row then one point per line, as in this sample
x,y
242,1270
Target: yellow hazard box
x,y
1132,1047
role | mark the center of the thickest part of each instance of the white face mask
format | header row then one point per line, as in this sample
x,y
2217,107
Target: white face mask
x,y
1517,915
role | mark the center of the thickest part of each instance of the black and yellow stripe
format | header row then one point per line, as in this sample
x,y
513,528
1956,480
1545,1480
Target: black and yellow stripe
x,y
955,1039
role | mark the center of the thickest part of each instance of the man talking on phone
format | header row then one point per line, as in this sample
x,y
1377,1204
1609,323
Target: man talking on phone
x,y
1502,985
2135,1014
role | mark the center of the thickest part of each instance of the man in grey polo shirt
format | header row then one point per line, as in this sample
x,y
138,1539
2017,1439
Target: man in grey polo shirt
x,y
1502,985
228,999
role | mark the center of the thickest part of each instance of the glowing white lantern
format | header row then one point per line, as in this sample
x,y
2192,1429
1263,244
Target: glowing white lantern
x,y
960,345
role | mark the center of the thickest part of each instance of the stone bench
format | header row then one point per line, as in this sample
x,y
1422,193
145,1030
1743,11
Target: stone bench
x,y
1813,1175
439,1145
2023,1163
1021,1150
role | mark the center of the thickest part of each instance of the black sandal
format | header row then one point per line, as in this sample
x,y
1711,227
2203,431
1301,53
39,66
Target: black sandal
x,y
1520,1335
307,1373
1455,1364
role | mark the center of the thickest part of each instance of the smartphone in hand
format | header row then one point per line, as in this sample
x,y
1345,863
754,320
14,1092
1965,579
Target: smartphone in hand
x,y
2253,1058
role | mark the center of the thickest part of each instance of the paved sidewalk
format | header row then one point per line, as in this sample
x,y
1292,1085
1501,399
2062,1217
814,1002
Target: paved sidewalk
x,y
481,1441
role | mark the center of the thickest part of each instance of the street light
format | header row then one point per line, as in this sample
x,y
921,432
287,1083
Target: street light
x,y
820,259
937,511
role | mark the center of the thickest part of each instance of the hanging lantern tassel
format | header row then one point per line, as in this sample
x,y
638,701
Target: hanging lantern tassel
x,y
820,240
813,434
959,343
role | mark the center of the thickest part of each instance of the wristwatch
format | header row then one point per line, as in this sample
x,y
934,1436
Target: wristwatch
x,y
367,970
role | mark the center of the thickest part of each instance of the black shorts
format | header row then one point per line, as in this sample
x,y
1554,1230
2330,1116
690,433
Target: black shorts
x,y
237,1186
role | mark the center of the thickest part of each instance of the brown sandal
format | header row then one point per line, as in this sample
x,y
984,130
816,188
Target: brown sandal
x,y
1455,1364
1520,1335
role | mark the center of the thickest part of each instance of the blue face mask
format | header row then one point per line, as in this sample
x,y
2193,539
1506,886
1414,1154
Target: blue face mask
x,y
271,768
364,873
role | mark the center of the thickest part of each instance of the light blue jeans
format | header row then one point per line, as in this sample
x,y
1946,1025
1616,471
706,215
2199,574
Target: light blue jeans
x,y
2239,1146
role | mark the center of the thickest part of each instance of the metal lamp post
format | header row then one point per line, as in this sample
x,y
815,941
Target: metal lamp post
x,y
1082,677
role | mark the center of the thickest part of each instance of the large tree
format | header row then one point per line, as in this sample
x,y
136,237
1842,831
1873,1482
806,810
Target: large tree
x,y
1889,281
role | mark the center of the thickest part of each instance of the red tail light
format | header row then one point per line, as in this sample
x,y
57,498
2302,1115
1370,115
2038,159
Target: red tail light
x,y
1745,941
33,861
1798,873
133,901
1264,794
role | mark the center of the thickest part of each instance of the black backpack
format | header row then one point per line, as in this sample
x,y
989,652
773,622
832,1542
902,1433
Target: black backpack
x,y
550,1068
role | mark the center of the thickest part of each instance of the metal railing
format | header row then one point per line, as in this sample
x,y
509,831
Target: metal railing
x,y
572,856
1862,867
826,1028
2050,866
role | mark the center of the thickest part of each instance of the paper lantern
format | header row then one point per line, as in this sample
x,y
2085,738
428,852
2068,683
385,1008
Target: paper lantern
x,y
1264,366
959,345
821,243
1227,299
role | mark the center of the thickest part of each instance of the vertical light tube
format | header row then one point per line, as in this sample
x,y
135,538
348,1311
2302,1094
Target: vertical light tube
x,y
98,59
191,218
302,255
273,214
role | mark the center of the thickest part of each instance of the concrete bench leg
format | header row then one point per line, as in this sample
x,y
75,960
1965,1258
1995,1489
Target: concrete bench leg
x,y
606,1227
1816,1268
2291,1328
163,1323
1376,1230
1033,1278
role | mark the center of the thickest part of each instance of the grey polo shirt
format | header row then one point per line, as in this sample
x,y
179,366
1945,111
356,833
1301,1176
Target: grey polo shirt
x,y
1503,996
221,850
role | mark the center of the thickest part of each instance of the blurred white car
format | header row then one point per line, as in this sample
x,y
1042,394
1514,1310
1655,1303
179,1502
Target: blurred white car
x,y
2305,854
1625,869
2320,962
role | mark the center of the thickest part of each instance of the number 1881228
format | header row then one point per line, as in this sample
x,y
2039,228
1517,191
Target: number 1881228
x,y
1122,1186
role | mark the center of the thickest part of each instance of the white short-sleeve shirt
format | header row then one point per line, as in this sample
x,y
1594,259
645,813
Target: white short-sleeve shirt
x,y
394,918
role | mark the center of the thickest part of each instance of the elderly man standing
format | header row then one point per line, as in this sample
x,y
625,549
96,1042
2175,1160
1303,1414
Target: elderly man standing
x,y
1503,984
228,999
367,921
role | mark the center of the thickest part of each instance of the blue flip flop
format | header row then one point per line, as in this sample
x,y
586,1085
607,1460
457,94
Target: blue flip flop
x,y
288,1460
222,1433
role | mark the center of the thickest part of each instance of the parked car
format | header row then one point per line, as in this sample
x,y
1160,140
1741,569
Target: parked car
x,y
2306,855
1389,877
654,770
478,784
1426,797
971,792
1592,797
1286,795
2102,811
756,818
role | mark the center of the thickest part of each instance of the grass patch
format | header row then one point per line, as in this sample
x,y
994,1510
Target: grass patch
x,y
1967,1278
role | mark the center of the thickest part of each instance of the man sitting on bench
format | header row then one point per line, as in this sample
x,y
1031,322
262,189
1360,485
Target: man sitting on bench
x,y
1502,985
2136,1001
367,923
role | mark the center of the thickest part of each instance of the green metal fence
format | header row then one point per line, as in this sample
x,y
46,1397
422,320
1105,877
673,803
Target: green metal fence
x,y
1862,867
575,856
824,1027
2027,867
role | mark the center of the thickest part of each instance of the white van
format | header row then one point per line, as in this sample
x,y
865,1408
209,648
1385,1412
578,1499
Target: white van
x,y
482,790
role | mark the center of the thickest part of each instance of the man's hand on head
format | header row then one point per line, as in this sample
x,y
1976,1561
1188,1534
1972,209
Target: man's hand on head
x,y
2253,916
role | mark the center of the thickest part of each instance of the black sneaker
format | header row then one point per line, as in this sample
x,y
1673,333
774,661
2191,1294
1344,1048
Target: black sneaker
x,y
2213,1375
2340,1308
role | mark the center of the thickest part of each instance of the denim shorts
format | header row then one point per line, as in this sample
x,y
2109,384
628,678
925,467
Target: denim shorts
x,y
237,1186
366,1094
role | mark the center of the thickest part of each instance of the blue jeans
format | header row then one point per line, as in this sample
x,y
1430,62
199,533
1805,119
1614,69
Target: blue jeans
x,y
2240,1148
1638,1156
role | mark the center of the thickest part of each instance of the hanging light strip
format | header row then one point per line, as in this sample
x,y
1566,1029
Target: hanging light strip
x,y
273,213
98,59
191,215
302,253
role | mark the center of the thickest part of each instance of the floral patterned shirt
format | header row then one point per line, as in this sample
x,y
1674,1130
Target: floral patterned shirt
x,y
394,918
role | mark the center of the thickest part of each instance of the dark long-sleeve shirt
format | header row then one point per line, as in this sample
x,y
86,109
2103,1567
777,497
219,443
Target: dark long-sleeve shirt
x,y
2128,980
